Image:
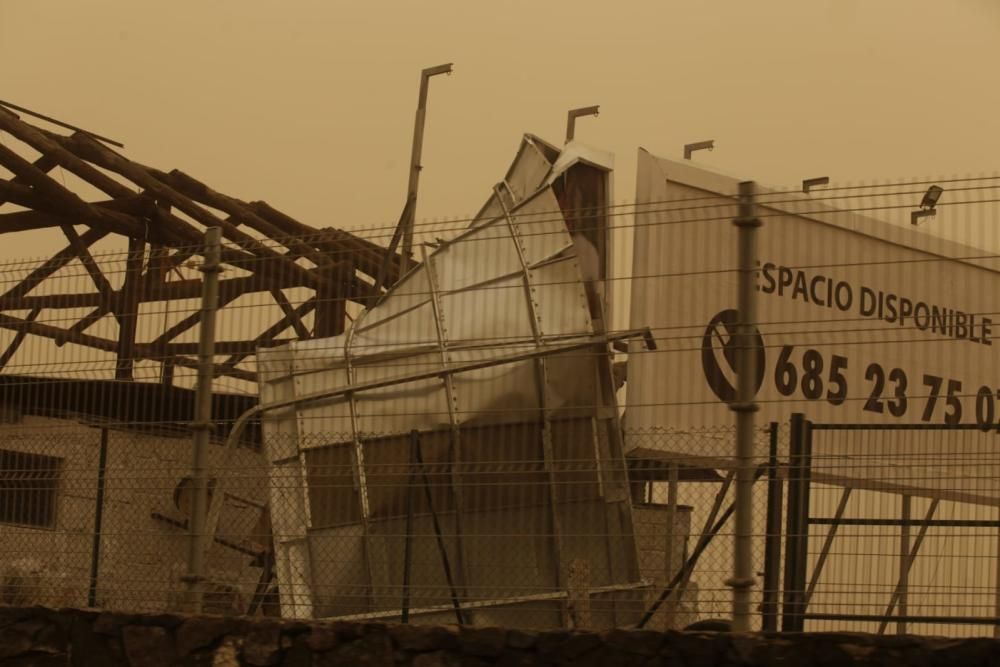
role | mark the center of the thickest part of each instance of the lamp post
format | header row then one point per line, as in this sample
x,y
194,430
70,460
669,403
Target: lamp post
x,y
811,183
573,114
409,211
698,146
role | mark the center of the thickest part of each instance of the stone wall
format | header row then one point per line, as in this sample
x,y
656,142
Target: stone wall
x,y
43,637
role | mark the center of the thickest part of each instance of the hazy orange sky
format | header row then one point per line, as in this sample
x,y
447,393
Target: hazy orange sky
x,y
309,105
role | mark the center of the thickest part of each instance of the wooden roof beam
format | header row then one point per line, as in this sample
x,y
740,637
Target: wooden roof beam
x,y
239,210
142,351
368,256
20,221
55,198
99,154
45,163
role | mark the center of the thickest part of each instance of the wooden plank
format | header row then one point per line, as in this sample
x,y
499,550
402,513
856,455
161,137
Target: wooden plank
x,y
18,339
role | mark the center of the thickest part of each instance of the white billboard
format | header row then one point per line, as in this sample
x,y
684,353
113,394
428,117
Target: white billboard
x,y
859,321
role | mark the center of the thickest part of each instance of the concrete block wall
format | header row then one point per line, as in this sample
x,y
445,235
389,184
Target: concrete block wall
x,y
141,557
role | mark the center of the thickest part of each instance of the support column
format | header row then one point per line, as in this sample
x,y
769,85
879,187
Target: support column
x,y
904,551
744,407
772,541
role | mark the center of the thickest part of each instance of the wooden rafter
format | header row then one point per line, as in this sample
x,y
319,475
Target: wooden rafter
x,y
14,295
246,348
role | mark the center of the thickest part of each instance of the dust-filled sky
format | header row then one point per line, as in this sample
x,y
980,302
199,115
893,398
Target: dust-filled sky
x,y
309,105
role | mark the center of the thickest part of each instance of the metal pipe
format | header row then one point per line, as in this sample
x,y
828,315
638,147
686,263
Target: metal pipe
x,y
744,407
95,549
905,566
404,614
684,573
794,527
904,549
877,618
445,564
415,166
772,540
673,483
996,584
824,552
941,523
202,424
573,114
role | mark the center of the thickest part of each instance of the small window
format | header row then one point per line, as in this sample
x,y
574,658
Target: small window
x,y
28,484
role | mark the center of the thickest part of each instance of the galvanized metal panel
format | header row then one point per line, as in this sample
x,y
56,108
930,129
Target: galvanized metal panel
x,y
509,285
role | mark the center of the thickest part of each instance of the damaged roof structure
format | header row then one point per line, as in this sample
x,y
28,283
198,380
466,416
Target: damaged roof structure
x,y
164,214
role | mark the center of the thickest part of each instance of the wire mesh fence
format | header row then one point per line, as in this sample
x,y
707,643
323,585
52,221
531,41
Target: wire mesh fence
x,y
529,427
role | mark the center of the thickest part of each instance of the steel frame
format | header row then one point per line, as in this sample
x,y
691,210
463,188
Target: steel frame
x,y
798,473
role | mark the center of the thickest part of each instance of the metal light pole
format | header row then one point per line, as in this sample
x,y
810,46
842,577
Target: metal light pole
x,y
202,424
576,113
410,209
698,146
744,407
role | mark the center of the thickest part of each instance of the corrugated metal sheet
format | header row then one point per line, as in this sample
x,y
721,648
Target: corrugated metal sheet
x,y
509,284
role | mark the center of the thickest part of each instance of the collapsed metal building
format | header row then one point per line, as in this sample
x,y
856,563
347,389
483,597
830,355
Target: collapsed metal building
x,y
459,448
454,453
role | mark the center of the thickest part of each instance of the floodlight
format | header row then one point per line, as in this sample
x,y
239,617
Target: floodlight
x,y
931,197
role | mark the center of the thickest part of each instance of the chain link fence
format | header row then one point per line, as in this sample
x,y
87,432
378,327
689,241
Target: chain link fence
x,y
486,442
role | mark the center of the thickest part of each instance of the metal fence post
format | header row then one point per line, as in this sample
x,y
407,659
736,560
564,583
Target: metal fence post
x,y
744,407
772,540
202,424
797,524
95,549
